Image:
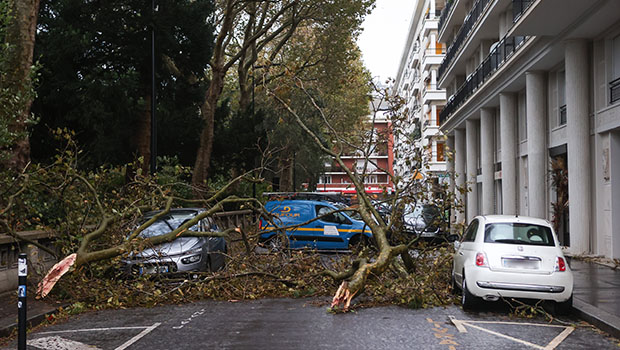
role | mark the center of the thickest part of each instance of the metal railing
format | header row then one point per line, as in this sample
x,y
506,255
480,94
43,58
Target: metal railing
x,y
444,13
471,19
431,15
614,90
519,7
504,49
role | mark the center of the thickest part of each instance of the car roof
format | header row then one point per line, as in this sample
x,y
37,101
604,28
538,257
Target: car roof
x,y
515,218
299,201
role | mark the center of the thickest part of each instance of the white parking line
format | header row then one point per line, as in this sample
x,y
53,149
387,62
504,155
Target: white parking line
x,y
460,326
137,337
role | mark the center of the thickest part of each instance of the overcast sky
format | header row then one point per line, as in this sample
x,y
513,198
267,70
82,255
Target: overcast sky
x,y
383,38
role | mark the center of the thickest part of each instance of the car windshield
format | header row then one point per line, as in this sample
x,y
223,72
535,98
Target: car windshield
x,y
168,223
518,233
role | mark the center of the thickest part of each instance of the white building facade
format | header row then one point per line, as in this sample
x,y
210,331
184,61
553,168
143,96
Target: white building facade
x,y
417,82
532,83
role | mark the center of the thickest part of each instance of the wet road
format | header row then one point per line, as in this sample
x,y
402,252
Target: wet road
x,y
305,324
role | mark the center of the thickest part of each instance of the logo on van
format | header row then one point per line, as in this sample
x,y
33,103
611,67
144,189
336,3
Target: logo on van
x,y
286,211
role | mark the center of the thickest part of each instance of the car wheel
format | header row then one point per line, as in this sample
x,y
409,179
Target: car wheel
x,y
468,300
564,307
358,242
277,243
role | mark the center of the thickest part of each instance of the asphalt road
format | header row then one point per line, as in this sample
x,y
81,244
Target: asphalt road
x,y
306,324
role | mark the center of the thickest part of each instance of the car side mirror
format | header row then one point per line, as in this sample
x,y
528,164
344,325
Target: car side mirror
x,y
453,237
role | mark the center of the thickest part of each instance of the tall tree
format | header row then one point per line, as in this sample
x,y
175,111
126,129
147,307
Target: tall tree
x,y
97,74
250,29
18,21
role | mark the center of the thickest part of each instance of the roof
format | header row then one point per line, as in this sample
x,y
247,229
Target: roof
x,y
515,218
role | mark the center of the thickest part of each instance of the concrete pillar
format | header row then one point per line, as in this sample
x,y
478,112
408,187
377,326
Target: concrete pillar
x,y
508,137
578,130
471,130
449,157
487,152
536,114
459,170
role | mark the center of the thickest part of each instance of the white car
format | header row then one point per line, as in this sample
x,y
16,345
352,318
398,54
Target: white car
x,y
501,256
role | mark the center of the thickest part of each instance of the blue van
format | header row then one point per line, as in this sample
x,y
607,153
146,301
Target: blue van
x,y
336,231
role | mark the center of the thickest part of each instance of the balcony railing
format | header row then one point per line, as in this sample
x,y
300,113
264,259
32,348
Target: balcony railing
x,y
500,54
614,91
468,25
430,15
519,7
444,13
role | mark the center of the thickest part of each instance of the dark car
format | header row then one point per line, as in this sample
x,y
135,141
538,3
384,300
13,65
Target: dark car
x,y
424,220
182,254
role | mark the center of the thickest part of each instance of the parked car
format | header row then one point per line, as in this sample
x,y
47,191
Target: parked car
x,y
424,220
502,256
337,230
182,254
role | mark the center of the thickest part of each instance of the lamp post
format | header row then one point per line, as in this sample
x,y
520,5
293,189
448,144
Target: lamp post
x,y
153,161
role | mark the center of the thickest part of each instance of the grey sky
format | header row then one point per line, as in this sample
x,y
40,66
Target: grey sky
x,y
384,35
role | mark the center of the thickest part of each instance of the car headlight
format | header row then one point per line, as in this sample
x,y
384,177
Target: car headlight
x,y
191,259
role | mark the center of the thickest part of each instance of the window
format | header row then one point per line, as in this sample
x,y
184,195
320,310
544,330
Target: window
x,y
440,156
562,97
470,233
336,218
325,179
518,233
614,85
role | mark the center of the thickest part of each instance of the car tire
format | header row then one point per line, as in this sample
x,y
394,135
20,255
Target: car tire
x,y
358,242
564,307
277,243
468,300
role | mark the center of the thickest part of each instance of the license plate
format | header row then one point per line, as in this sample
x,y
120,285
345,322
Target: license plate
x,y
153,269
529,264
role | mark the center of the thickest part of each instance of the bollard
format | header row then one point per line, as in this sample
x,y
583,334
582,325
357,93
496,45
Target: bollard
x,y
22,273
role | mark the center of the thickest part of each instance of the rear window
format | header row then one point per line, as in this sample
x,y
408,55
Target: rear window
x,y
518,233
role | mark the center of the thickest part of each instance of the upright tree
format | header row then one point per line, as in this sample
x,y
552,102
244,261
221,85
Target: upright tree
x,y
18,21
96,75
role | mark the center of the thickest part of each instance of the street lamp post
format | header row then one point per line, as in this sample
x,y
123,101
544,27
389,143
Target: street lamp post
x,y
153,161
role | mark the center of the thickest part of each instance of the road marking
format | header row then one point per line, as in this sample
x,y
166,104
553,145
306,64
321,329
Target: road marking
x,y
95,330
460,325
190,319
137,337
58,343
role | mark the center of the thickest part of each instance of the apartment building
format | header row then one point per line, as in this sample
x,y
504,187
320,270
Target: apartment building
x,y
376,170
534,86
417,82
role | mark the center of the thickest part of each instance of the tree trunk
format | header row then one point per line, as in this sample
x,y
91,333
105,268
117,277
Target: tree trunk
x,y
286,174
22,35
143,134
207,110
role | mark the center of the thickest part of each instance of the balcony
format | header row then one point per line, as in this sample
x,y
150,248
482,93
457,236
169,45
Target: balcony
x,y
432,93
470,22
502,52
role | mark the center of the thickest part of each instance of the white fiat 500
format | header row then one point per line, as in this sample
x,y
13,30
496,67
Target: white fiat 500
x,y
511,257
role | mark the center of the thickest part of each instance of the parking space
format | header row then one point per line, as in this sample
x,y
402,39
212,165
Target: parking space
x,y
305,323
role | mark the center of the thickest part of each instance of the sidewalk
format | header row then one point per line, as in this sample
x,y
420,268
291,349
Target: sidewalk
x,y
596,295
37,310
596,299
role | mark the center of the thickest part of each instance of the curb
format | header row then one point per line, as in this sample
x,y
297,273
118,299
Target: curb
x,y
601,319
32,321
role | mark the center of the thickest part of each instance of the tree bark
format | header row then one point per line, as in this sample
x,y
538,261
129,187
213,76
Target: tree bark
x,y
22,36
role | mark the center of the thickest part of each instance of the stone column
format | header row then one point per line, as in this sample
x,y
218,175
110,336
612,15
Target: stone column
x,y
508,136
536,145
449,157
459,170
471,130
578,130
487,156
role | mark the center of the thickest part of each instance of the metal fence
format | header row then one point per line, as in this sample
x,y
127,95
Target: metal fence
x,y
503,50
614,91
471,19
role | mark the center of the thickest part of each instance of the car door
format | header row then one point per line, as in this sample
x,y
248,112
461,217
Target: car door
x,y
466,250
332,229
